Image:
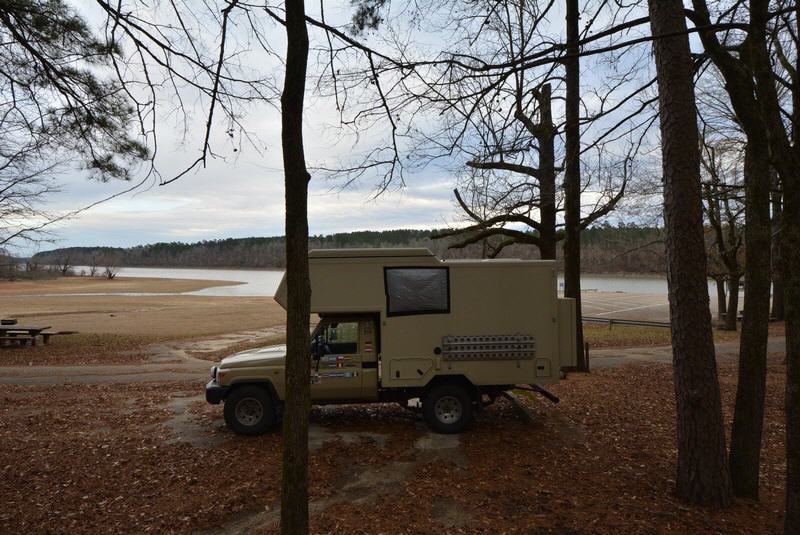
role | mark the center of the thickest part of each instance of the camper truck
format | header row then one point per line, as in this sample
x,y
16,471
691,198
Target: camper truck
x,y
401,325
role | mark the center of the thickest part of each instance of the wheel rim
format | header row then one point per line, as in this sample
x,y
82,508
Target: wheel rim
x,y
448,409
249,411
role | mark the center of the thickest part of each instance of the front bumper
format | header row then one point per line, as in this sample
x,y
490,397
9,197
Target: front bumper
x,y
215,393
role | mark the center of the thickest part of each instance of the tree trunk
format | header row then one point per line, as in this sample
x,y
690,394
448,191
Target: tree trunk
x,y
719,282
748,418
547,182
790,238
790,271
294,492
703,476
572,178
777,279
732,310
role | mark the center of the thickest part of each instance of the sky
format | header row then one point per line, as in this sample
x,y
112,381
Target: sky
x,y
239,198
240,194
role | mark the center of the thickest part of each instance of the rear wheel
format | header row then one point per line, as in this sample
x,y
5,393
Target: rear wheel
x,y
447,408
249,410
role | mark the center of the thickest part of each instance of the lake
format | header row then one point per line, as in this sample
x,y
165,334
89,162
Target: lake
x,y
264,282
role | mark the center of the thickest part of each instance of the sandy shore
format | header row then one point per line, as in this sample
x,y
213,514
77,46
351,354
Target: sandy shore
x,y
162,315
72,285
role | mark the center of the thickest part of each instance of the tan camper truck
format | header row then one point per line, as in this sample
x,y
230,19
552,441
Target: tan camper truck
x,y
401,324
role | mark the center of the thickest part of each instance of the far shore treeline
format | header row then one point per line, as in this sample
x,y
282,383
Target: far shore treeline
x,y
606,249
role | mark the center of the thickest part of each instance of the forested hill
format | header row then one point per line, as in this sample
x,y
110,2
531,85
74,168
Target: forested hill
x,y
605,249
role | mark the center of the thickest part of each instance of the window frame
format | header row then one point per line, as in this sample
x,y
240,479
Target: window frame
x,y
419,312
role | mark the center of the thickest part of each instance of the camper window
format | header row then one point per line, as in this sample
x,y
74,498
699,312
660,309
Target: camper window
x,y
417,290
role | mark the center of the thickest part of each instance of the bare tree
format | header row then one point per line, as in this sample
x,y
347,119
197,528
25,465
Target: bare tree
x,y
93,266
9,268
110,263
25,185
721,163
703,475
64,265
504,125
743,61
507,188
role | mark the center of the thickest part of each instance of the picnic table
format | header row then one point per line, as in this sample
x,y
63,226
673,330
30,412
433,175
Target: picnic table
x,y
23,334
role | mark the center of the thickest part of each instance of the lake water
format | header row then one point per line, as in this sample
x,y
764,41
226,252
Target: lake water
x,y
257,282
265,282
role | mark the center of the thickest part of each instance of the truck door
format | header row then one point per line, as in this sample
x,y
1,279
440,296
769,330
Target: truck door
x,y
369,347
338,373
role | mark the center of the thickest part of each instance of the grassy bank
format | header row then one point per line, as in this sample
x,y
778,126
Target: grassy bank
x,y
619,336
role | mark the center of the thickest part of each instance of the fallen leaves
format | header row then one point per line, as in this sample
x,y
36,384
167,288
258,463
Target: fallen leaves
x,y
109,458
82,348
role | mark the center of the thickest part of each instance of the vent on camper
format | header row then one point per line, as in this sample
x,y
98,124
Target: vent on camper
x,y
489,347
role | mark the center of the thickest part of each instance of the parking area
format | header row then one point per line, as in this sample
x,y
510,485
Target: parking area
x,y
629,306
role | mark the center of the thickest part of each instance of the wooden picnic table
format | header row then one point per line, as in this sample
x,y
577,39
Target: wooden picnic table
x,y
23,334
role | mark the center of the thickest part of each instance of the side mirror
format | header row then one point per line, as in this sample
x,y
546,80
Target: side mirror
x,y
317,350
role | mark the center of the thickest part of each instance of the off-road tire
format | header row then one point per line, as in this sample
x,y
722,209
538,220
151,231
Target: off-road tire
x,y
249,410
447,408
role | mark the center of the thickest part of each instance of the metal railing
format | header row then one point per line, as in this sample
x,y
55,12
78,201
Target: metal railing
x,y
635,323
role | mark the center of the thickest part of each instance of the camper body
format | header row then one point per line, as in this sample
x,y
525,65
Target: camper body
x,y
399,324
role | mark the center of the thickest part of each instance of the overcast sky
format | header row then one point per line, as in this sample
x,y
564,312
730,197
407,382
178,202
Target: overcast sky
x,y
242,197
241,194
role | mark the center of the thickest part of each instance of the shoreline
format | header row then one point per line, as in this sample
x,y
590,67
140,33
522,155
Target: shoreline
x,y
603,274
69,286
199,268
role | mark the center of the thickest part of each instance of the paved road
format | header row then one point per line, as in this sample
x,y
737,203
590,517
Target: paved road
x,y
196,369
138,373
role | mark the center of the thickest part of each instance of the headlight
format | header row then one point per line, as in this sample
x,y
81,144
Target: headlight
x,y
213,372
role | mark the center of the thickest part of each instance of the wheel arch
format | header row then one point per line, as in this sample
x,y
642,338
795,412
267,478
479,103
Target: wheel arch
x,y
265,383
457,379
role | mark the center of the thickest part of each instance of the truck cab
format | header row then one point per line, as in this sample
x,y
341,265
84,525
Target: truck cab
x,y
401,324
344,359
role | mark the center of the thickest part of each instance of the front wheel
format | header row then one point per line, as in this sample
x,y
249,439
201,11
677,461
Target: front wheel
x,y
249,410
447,408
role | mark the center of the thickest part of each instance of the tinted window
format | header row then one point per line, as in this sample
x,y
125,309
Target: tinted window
x,y
417,291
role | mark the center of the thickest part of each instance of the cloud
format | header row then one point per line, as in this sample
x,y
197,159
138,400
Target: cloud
x,y
241,193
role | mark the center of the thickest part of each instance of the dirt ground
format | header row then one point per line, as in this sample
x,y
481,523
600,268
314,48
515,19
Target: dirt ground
x,y
162,316
107,431
156,458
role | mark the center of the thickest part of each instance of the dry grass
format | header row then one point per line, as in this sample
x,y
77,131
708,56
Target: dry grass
x,y
619,336
176,316
72,285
